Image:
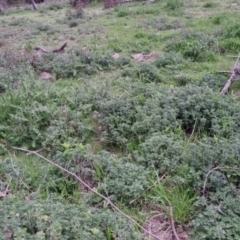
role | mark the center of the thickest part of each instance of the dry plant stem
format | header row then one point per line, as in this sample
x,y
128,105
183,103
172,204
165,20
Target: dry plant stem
x,y
209,172
89,188
59,49
235,72
235,65
140,195
34,5
4,194
231,56
172,223
225,72
228,84
205,181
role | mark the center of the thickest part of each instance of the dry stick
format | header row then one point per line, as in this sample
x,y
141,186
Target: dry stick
x,y
59,49
231,56
235,65
173,226
140,195
4,194
88,187
229,82
235,72
212,170
224,71
206,178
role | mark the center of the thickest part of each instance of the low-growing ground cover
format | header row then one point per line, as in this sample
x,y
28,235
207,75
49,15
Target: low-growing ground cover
x,y
133,108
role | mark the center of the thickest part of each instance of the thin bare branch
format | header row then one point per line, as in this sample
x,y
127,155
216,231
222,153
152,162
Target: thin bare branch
x,y
59,49
236,63
231,56
236,72
173,225
90,189
225,72
206,178
4,194
212,170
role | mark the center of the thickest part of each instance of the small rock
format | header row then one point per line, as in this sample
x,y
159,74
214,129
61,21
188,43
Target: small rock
x,y
45,75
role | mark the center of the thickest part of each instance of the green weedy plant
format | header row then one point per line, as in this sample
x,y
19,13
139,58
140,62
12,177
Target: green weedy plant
x,y
161,24
180,198
174,4
73,23
27,176
14,68
50,219
196,46
213,81
75,63
216,176
40,121
54,6
121,180
209,5
161,151
139,113
219,217
170,59
148,73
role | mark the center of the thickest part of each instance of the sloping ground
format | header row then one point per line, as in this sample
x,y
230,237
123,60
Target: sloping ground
x,y
132,107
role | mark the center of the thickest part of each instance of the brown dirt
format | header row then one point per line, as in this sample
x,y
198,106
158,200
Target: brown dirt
x,y
160,225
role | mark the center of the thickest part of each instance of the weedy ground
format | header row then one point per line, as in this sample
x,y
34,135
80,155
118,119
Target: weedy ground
x,y
133,108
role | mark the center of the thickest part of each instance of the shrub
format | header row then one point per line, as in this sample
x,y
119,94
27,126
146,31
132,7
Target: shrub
x,y
230,45
219,217
50,219
148,73
149,109
174,4
180,198
121,180
29,118
73,23
55,6
42,27
122,13
209,5
195,46
213,81
161,24
169,59
74,14
215,162
27,176
74,63
161,151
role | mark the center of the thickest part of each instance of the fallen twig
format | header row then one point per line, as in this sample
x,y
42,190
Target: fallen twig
x,y
173,225
224,71
4,194
209,172
231,56
89,188
206,178
59,49
236,72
